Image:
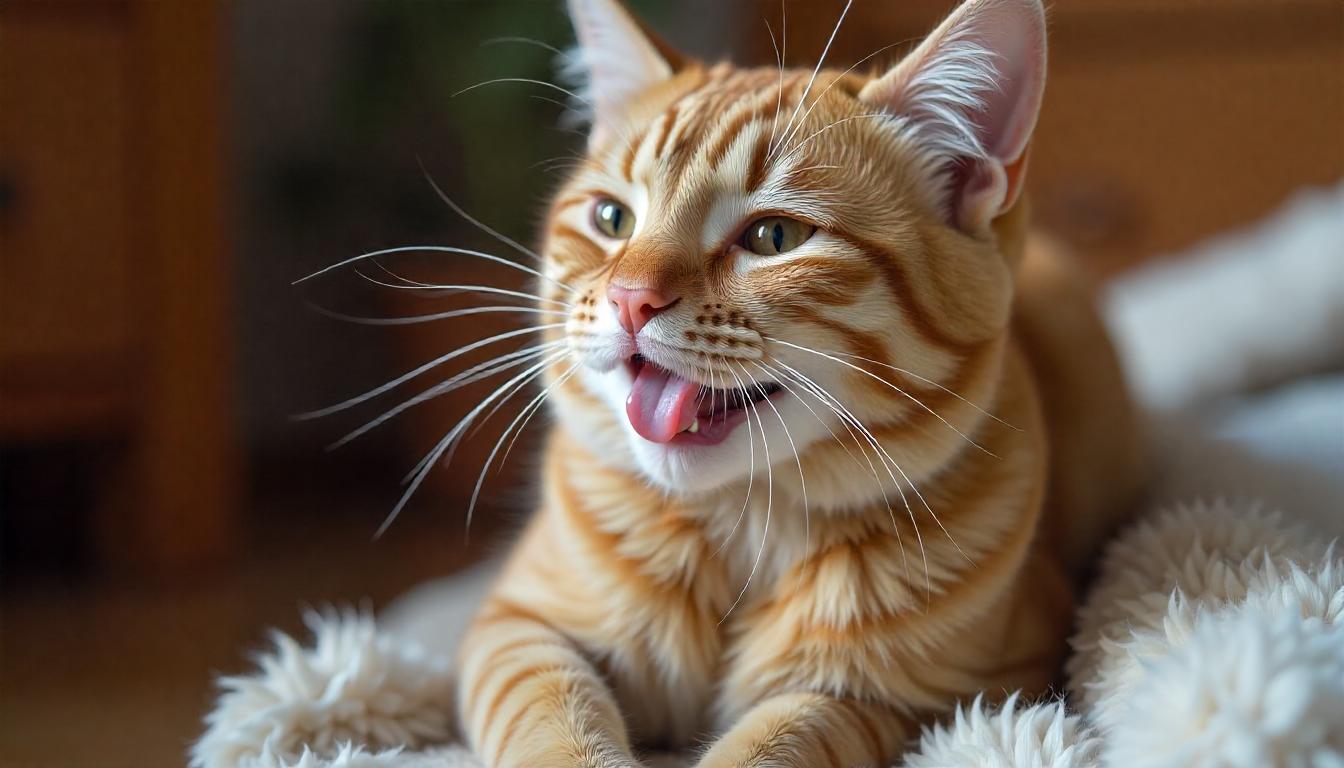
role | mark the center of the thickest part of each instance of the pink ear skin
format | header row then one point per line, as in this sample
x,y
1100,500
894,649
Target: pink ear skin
x,y
973,90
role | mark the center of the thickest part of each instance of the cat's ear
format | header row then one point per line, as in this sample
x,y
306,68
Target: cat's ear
x,y
971,92
617,57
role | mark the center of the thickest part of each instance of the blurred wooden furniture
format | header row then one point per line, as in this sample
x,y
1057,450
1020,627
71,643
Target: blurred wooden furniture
x,y
1164,122
114,323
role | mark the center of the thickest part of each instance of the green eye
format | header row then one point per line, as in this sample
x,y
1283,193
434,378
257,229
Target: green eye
x,y
613,219
775,235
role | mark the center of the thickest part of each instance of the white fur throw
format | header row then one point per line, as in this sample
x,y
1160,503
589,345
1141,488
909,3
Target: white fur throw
x,y
1213,638
1214,635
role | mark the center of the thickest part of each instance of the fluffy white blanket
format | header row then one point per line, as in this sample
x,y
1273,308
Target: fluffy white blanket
x,y
1214,634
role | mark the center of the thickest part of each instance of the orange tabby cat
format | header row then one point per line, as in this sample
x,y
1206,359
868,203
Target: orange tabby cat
x,y
832,440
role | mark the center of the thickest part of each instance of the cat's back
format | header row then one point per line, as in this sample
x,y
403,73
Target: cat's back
x,y
1097,465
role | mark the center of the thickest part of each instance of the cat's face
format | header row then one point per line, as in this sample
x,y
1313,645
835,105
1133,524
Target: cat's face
x,y
750,255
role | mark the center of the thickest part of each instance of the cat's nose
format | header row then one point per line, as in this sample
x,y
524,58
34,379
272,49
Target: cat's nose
x,y
635,307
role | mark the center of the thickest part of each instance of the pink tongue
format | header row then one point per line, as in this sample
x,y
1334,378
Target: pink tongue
x,y
661,403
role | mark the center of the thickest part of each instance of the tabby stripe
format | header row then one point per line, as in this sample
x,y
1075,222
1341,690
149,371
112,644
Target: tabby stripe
x,y
899,284
729,134
870,733
502,610
828,751
632,149
590,253
965,592
756,171
512,724
510,685
665,130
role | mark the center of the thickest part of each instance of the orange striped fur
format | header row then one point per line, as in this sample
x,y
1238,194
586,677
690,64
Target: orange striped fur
x,y
812,607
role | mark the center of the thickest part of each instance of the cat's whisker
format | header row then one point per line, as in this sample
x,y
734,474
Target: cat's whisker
x,y
783,378
433,249
428,462
921,404
751,476
384,284
779,93
800,146
821,60
802,478
506,39
500,404
405,377
453,288
888,464
418,319
829,86
897,389
525,415
769,499
924,503
466,378
528,80
572,157
558,383
505,239
821,394
931,383
384,268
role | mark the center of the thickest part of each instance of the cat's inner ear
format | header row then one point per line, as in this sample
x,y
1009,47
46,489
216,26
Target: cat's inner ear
x,y
618,58
971,93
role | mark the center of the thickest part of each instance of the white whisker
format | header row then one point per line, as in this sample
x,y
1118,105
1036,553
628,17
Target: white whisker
x,y
524,40
888,463
815,71
524,415
802,479
779,94
530,81
886,500
417,319
751,475
468,377
448,289
803,121
427,463
433,249
405,377
769,498
932,383
460,211
897,389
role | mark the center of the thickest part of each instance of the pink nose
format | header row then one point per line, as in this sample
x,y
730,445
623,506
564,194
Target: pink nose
x,y
635,307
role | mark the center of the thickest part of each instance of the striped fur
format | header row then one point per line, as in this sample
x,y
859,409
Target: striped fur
x,y
814,607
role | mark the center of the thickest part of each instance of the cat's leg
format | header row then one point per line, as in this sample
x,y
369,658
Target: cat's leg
x,y
527,698
811,730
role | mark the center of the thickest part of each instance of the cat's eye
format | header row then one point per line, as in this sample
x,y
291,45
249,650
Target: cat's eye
x,y
613,219
775,235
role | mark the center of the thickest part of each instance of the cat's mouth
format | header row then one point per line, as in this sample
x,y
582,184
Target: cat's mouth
x,y
664,407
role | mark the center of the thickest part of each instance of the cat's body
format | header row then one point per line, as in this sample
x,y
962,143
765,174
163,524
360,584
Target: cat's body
x,y
897,526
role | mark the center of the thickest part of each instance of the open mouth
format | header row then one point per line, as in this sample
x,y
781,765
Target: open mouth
x,y
666,408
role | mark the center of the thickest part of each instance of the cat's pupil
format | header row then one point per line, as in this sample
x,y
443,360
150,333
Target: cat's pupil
x,y
777,237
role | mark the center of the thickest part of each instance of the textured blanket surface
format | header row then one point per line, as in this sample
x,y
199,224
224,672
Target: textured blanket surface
x,y
1213,635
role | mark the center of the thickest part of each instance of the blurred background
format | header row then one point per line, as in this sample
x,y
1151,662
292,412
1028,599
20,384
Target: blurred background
x,y
169,169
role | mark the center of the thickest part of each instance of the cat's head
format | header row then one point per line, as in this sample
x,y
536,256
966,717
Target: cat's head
x,y
783,251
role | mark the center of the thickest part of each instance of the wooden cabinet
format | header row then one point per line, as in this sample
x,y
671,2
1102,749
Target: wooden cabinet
x,y
1164,122
113,280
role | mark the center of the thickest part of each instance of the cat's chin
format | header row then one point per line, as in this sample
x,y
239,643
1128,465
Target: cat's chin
x,y
690,467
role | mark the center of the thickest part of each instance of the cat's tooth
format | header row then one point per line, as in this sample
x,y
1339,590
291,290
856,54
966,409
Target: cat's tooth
x,y
695,427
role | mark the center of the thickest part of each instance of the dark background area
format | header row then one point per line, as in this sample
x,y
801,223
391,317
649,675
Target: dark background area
x,y
169,169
